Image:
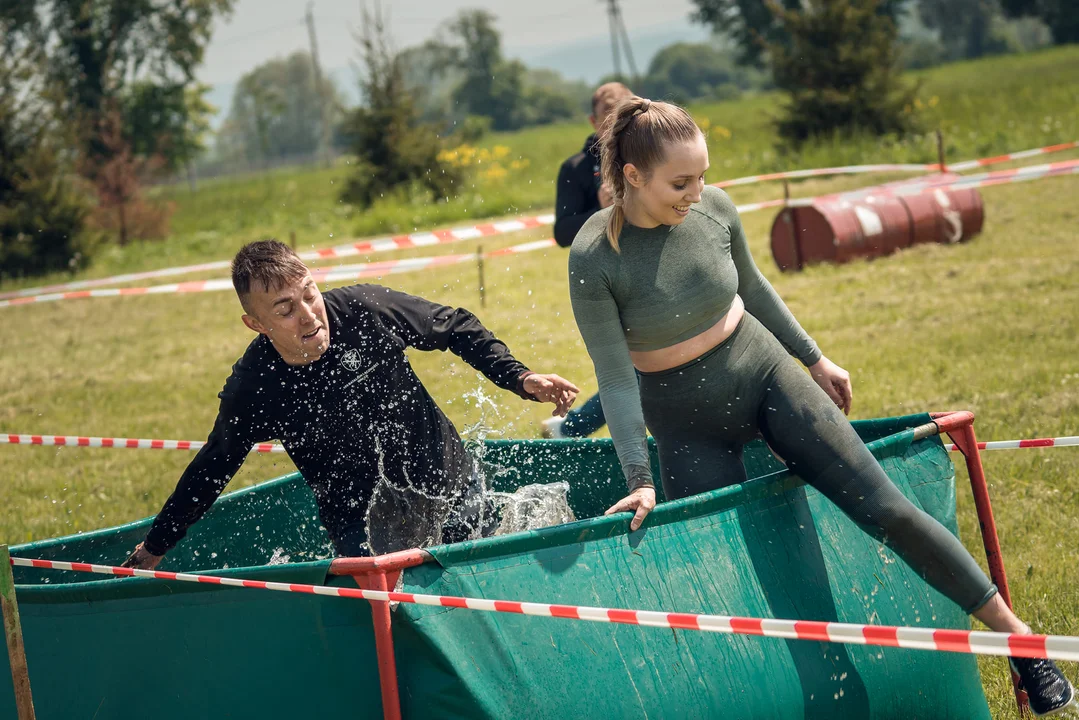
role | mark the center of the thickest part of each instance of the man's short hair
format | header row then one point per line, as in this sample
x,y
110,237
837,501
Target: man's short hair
x,y
607,96
265,265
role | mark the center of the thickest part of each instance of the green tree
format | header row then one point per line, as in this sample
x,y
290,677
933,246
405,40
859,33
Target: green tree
x,y
966,26
690,71
42,207
393,148
503,90
122,211
171,122
275,110
751,24
107,55
754,25
431,78
840,71
488,86
98,47
1062,16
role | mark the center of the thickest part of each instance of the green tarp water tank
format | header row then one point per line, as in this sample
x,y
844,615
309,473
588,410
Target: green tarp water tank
x,y
771,547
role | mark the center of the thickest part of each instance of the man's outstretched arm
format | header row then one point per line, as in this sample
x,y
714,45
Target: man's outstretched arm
x,y
425,325
200,485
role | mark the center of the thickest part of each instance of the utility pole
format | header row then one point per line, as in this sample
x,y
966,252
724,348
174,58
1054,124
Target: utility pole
x,y
620,40
634,75
612,19
324,136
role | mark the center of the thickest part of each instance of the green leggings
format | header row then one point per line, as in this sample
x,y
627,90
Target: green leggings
x,y
702,414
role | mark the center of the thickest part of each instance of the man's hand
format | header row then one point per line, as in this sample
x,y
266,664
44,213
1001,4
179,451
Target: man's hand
x,y
552,389
606,198
142,559
641,500
835,381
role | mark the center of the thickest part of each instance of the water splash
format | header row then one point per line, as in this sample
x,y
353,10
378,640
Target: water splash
x,y
534,506
279,557
405,515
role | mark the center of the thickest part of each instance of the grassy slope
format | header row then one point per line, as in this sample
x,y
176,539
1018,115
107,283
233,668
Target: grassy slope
x,y
985,108
990,326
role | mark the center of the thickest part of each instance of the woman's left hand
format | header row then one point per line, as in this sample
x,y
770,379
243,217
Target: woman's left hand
x,y
835,381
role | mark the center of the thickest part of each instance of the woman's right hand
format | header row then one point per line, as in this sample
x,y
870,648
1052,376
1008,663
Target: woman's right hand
x,y
640,502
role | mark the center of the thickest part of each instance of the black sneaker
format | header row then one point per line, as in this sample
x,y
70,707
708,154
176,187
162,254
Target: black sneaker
x,y
1047,688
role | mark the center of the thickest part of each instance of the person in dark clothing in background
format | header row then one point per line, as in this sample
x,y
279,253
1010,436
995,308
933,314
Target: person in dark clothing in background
x,y
328,376
580,194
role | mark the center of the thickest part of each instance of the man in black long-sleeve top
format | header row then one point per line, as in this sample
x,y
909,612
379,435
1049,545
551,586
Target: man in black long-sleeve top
x,y
579,195
328,376
579,192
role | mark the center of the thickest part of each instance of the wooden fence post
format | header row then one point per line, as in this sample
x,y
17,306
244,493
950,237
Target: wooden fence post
x,y
16,653
479,266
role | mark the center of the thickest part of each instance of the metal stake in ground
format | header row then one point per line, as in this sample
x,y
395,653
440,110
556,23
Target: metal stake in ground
x,y
16,653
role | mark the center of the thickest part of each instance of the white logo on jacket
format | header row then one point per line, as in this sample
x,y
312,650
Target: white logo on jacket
x,y
351,360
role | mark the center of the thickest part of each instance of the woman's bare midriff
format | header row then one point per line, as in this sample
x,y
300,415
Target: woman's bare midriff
x,y
675,355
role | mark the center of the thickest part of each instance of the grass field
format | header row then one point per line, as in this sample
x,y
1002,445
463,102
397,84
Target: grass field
x,y
984,108
989,326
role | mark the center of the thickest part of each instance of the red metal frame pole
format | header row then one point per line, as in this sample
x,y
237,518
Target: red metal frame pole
x,y
967,443
387,665
381,573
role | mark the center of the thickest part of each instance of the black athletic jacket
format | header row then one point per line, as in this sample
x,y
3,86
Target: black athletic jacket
x,y
577,196
358,407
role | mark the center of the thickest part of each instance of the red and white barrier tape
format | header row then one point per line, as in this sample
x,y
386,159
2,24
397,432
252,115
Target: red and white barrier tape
x,y
816,172
332,274
1021,155
78,289
930,184
387,267
437,237
892,167
1070,441
1056,647
1031,172
434,237
125,443
140,444
362,247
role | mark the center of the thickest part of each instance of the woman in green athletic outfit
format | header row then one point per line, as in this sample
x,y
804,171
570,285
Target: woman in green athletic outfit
x,y
663,286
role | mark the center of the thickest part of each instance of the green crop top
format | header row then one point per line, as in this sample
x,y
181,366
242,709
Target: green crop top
x,y
669,283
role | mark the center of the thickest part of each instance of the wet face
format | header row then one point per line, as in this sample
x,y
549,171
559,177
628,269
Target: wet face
x,y
663,197
293,317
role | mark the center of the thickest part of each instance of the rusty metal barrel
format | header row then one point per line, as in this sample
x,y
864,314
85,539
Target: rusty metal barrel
x,y
945,216
874,222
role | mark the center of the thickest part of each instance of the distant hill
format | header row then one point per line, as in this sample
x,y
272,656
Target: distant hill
x,y
591,59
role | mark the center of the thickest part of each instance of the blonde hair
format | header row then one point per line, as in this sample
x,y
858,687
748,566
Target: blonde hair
x,y
606,97
637,133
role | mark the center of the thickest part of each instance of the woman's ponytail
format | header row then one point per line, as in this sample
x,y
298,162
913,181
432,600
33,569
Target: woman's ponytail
x,y
636,133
